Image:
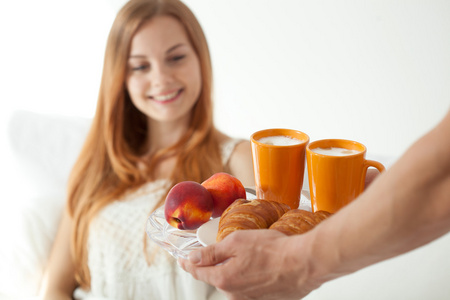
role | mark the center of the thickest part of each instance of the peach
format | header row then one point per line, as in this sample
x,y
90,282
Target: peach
x,y
188,205
224,189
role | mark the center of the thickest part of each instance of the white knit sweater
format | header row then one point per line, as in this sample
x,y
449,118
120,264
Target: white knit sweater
x,y
116,258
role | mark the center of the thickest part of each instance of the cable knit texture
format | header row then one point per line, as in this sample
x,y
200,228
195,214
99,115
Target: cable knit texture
x,y
116,259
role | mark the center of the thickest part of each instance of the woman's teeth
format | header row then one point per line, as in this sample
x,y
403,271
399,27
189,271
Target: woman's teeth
x,y
166,97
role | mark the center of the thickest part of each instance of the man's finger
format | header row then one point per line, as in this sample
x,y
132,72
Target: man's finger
x,y
212,275
208,256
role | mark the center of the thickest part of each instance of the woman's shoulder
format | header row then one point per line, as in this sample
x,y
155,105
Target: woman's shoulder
x,y
237,158
227,145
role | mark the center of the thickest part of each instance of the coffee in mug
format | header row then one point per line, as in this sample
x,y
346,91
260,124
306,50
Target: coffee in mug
x,y
279,140
337,171
279,164
335,151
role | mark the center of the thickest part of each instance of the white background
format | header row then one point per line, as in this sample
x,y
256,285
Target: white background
x,y
373,71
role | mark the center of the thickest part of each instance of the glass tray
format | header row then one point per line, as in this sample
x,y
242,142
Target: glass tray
x,y
180,242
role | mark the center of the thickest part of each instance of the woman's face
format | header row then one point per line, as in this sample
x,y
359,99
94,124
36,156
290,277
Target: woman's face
x,y
164,77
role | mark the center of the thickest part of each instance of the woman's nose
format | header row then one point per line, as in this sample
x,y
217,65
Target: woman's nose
x,y
160,75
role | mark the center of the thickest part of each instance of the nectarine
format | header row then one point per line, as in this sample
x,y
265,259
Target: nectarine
x,y
224,189
188,205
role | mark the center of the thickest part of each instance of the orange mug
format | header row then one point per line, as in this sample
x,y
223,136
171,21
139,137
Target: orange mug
x,y
279,164
336,171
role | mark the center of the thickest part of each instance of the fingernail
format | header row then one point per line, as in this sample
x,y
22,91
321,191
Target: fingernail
x,y
195,257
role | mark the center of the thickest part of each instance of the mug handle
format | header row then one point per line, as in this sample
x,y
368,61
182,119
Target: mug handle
x,y
370,163
375,164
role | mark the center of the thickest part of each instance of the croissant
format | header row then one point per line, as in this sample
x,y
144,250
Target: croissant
x,y
297,221
254,214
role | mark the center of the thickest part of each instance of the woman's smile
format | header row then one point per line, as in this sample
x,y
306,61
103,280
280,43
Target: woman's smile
x,y
166,98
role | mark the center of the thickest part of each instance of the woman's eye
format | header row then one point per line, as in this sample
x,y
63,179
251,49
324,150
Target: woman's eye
x,y
139,68
178,57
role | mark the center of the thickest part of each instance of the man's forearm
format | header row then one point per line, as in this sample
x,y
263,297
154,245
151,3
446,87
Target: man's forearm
x,y
405,208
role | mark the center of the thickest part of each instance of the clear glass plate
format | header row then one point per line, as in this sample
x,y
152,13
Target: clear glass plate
x,y
177,242
180,242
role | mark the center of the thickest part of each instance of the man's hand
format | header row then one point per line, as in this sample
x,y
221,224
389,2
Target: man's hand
x,y
247,263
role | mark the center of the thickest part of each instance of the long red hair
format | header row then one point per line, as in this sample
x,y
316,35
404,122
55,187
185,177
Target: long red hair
x,y
107,166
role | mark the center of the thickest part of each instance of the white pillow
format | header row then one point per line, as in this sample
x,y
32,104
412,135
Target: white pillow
x,y
43,150
46,146
28,228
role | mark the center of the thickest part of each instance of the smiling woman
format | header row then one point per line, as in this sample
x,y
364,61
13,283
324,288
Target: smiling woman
x,y
163,71
152,129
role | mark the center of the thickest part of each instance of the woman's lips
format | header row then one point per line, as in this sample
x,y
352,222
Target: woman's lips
x,y
167,97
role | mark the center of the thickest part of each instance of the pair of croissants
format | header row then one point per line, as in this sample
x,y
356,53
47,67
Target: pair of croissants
x,y
263,214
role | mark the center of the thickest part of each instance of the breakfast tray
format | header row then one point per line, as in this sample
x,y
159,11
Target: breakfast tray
x,y
179,243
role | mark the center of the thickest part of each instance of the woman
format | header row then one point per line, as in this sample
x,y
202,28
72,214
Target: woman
x,y
153,128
